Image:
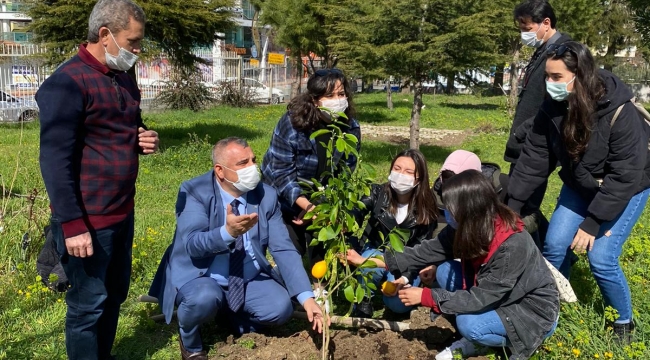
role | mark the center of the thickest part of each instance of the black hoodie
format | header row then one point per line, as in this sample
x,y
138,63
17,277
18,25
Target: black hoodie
x,y
615,166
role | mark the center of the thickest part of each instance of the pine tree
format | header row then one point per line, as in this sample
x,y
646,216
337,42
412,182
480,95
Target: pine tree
x,y
175,27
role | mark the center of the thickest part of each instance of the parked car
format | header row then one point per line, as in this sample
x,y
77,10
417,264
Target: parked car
x,y
13,109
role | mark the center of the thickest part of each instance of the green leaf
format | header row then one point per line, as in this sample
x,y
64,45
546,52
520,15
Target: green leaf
x,y
395,242
349,293
340,145
360,293
318,133
326,233
370,285
334,213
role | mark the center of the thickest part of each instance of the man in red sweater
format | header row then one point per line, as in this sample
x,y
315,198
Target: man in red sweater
x,y
91,138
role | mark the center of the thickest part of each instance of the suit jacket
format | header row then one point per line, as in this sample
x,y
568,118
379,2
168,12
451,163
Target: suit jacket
x,y
197,240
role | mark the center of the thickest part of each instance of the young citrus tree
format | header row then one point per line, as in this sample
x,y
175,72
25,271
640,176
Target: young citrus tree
x,y
335,219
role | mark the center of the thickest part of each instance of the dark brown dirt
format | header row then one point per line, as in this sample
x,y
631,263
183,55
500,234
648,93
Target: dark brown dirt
x,y
295,341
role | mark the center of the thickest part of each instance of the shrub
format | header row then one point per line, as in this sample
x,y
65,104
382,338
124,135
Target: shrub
x,y
232,93
185,90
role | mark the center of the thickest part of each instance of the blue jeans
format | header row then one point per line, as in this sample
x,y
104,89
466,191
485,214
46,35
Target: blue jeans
x,y
267,303
569,213
485,329
99,285
378,275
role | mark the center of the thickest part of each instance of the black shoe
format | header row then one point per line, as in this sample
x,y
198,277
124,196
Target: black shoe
x,y
623,332
188,355
364,309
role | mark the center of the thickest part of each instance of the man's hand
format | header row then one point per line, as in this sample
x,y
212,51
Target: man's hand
x,y
239,225
148,141
428,275
411,296
582,241
80,245
315,315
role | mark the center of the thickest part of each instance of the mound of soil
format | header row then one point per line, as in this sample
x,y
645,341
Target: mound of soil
x,y
399,135
297,341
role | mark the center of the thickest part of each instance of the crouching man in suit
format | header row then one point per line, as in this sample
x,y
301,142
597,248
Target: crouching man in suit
x,y
225,221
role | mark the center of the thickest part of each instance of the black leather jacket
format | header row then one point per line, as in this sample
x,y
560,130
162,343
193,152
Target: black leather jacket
x,y
381,220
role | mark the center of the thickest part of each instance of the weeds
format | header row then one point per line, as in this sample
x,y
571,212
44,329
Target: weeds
x,y
31,327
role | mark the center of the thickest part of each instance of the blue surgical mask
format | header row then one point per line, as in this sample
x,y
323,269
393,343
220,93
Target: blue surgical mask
x,y
529,38
450,220
558,90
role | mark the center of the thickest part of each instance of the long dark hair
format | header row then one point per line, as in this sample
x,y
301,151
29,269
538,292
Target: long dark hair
x,y
588,88
423,204
474,204
305,115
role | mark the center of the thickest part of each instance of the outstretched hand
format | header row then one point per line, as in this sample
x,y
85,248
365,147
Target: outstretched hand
x,y
315,315
411,296
239,224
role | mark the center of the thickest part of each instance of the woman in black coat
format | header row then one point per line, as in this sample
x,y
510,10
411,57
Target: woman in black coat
x,y
405,202
598,137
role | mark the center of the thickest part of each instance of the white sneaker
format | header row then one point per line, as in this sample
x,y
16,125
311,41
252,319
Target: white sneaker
x,y
466,348
320,294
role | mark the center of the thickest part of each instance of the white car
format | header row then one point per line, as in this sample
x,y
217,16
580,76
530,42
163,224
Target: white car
x,y
13,109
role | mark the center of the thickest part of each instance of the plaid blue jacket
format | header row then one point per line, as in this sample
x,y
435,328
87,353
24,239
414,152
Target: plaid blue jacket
x,y
292,155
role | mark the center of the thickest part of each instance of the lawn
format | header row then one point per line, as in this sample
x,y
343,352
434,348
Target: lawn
x,y
31,317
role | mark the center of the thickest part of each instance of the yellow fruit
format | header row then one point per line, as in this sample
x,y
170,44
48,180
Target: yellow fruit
x,y
388,288
319,269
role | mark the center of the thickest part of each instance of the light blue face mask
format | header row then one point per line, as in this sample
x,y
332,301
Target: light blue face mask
x,y
450,220
558,90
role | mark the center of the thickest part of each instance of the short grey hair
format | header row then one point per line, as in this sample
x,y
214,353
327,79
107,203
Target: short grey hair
x,y
113,14
220,146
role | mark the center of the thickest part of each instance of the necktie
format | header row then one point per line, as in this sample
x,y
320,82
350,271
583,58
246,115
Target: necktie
x,y
236,278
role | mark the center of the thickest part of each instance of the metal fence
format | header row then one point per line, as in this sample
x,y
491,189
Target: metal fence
x,y
22,70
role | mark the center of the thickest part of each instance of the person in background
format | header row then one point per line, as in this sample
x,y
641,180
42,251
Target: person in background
x,y
499,285
461,160
597,135
538,25
404,202
292,156
92,135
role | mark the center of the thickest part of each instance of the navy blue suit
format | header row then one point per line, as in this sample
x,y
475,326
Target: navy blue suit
x,y
197,241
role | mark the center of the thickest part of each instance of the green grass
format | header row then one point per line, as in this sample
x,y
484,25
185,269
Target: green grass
x,y
31,319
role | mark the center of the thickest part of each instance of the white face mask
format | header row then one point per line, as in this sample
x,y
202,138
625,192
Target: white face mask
x,y
530,38
124,59
401,183
248,178
335,105
558,90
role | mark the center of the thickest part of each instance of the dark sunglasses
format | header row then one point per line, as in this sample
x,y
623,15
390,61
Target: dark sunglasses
x,y
325,72
559,50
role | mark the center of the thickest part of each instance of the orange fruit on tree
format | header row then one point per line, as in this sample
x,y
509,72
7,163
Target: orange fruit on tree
x,y
319,269
388,288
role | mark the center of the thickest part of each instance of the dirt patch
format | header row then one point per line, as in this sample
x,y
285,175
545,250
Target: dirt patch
x,y
400,135
295,341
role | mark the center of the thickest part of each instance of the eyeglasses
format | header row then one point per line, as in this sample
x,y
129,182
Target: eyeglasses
x,y
559,50
325,72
